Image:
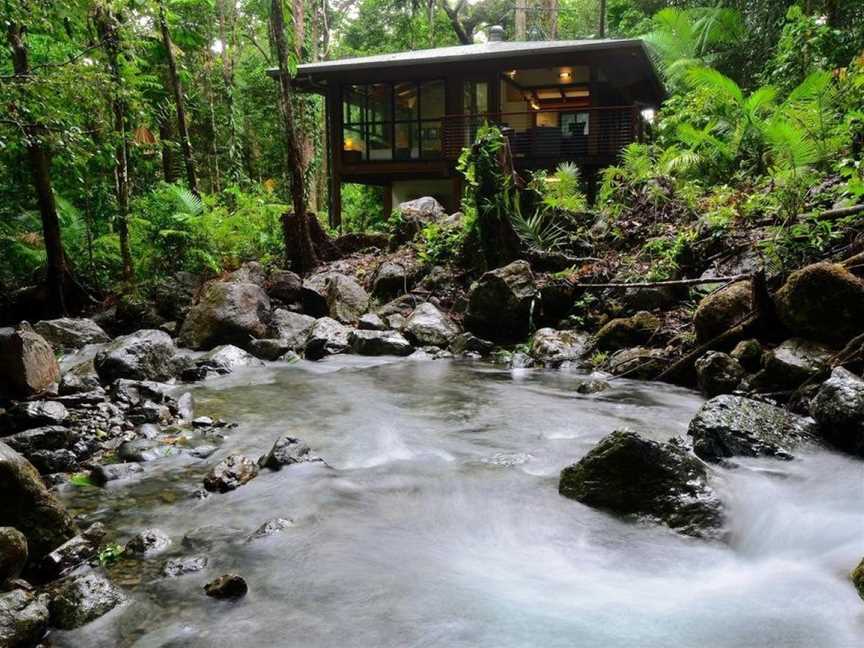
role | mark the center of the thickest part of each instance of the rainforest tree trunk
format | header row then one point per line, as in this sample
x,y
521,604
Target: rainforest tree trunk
x,y
40,167
177,90
305,258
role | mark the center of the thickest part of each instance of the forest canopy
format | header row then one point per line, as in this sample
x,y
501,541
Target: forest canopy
x,y
143,137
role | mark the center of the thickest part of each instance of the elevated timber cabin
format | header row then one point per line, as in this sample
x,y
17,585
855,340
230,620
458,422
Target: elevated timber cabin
x,y
401,120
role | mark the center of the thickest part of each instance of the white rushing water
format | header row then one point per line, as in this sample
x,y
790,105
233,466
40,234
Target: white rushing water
x,y
440,524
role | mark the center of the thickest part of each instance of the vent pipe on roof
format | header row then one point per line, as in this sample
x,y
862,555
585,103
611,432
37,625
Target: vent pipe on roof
x,y
496,34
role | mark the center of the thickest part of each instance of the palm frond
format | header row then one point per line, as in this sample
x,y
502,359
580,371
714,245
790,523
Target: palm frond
x,y
717,82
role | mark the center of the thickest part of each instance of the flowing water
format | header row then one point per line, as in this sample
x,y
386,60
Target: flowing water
x,y
438,523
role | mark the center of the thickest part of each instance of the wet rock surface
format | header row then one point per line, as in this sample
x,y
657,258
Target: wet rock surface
x,y
182,566
722,310
71,333
13,553
838,408
376,343
23,618
149,542
326,337
144,355
231,312
552,348
229,586
230,473
346,299
28,506
627,474
499,303
27,361
428,326
791,364
718,373
81,599
285,452
735,426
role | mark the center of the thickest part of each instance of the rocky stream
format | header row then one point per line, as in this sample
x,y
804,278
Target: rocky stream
x,y
265,460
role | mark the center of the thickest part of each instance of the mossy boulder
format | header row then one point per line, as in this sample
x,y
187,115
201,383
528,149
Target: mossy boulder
x,y
500,303
31,508
625,332
13,553
718,373
722,310
822,302
630,475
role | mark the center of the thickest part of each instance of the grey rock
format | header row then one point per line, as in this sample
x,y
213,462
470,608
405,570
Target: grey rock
x,y
638,363
48,462
269,528
748,353
285,286
630,475
206,537
221,361
269,349
326,337
791,364
718,373
371,322
173,296
285,452
52,437
838,408
499,303
144,450
72,553
375,343
186,407
230,473
226,313
182,566
733,426
293,328
102,474
27,363
552,348
28,506
81,599
23,619
417,214
143,355
346,299
429,326
250,272
149,542
71,333
397,322
391,279
30,414
466,343
519,360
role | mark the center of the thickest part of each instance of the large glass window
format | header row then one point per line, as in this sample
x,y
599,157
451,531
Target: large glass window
x,y
392,121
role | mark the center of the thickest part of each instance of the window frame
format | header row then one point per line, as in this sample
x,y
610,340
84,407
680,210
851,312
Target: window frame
x,y
416,123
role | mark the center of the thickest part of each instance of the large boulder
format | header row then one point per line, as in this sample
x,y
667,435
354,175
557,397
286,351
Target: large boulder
x,y
625,332
27,363
553,348
143,355
30,507
83,598
822,302
722,310
734,426
13,553
23,619
285,286
346,299
286,451
313,294
227,312
292,327
791,364
838,408
639,363
630,475
221,361
391,279
718,373
26,415
428,326
173,296
499,303
415,215
375,343
72,553
71,333
326,337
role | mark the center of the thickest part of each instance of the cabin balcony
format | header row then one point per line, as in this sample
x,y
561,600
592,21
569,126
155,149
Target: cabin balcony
x,y
544,138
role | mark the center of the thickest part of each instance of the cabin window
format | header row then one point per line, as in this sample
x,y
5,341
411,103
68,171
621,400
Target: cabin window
x,y
392,121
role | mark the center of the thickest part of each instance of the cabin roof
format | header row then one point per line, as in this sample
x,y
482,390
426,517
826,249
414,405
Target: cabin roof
x,y
311,75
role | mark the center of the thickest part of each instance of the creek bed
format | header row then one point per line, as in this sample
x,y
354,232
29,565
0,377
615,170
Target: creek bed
x,y
438,523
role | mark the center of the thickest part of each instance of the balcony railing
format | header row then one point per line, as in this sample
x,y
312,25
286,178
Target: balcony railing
x,y
544,137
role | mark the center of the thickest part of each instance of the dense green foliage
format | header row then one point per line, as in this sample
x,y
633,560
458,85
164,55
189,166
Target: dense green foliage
x,y
764,125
